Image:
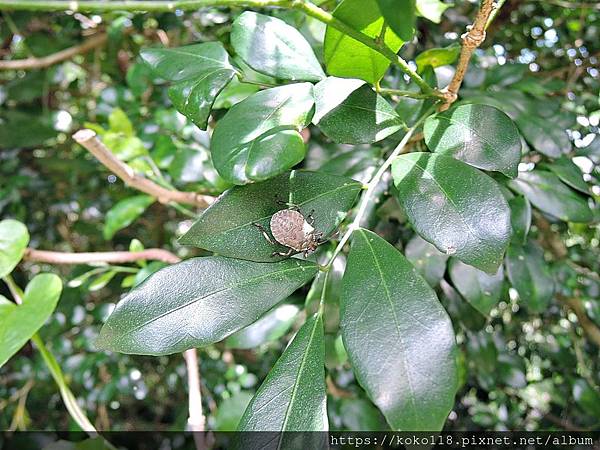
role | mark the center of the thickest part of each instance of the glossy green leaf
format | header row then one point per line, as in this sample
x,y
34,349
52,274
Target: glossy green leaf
x,y
270,327
271,46
520,218
408,368
357,163
199,72
411,109
23,321
530,275
198,302
480,289
259,137
436,57
344,56
400,16
547,193
432,9
101,281
428,260
350,112
293,397
480,135
455,207
123,213
358,414
14,238
565,169
226,227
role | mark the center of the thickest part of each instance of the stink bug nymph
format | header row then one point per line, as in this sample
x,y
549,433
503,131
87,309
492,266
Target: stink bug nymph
x,y
290,228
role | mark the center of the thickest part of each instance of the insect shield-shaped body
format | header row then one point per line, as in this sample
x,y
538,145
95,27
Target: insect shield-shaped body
x,y
290,228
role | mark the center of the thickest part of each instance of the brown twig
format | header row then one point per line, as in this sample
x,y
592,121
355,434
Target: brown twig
x,y
88,139
472,39
155,254
32,62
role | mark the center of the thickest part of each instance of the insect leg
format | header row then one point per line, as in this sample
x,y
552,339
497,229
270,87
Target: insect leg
x,y
288,253
264,233
311,218
289,205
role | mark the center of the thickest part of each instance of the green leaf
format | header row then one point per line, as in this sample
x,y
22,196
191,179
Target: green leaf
x,y
586,397
230,411
101,281
292,398
23,321
358,414
480,135
226,227
124,213
547,193
408,368
357,163
480,289
259,137
530,275
428,260
346,57
198,302
198,72
269,327
350,112
520,218
459,309
436,57
14,238
455,207
400,16
565,169
271,46
118,122
432,9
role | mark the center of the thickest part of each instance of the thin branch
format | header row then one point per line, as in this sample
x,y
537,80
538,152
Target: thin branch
x,y
590,328
128,5
88,139
46,61
154,254
196,419
472,39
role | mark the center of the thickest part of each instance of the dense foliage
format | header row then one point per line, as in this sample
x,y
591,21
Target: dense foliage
x,y
458,285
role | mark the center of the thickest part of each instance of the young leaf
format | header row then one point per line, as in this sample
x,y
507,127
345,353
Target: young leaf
x,y
565,169
346,57
14,238
269,327
259,137
547,193
400,16
520,218
428,260
350,112
529,274
124,213
436,57
480,289
455,207
292,398
480,135
408,367
226,227
432,9
270,46
198,302
198,72
23,321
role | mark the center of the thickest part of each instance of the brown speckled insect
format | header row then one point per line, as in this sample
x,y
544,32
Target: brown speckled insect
x,y
290,228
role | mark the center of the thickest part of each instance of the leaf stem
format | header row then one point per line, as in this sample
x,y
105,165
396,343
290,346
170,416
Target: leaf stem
x,y
372,185
69,399
403,93
320,14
